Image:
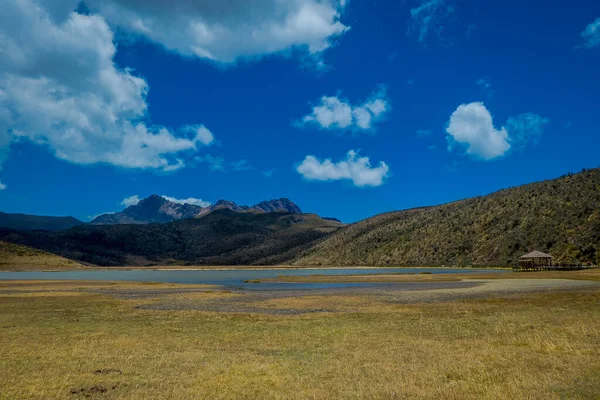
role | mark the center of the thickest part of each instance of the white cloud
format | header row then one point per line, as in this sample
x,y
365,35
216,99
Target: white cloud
x,y
191,200
333,113
591,35
472,125
60,87
130,201
225,31
202,134
525,128
428,19
2,186
354,168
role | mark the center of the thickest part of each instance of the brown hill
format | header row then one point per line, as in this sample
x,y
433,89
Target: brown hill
x,y
14,257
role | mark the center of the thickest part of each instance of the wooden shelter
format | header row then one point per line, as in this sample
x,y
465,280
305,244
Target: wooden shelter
x,y
535,261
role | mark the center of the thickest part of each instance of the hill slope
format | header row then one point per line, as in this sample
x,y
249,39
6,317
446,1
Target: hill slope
x,y
219,238
14,257
560,216
28,222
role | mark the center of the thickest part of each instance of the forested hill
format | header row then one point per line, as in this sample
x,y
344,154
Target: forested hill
x,y
560,216
222,237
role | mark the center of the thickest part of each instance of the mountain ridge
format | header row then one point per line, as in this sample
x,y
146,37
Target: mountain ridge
x,y
32,222
158,209
222,237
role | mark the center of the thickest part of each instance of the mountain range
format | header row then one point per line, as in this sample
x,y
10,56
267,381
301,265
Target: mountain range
x,y
222,237
560,217
157,209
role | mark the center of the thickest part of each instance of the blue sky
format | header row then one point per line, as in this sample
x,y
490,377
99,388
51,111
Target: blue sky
x,y
349,108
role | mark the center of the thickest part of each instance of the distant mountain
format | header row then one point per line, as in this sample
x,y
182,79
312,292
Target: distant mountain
x,y
157,209
154,209
222,237
560,217
279,205
30,222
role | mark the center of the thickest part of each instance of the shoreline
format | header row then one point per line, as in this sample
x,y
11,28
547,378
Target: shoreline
x,y
247,268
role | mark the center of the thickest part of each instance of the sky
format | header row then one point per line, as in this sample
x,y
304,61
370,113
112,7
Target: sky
x,y
347,107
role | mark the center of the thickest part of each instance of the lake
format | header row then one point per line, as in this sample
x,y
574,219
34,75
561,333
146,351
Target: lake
x,y
231,278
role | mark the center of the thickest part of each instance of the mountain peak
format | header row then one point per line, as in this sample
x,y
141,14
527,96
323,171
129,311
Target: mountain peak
x,y
151,201
278,205
157,209
152,209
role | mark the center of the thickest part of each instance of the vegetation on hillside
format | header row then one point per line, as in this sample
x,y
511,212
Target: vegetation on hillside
x,y
223,237
15,257
561,217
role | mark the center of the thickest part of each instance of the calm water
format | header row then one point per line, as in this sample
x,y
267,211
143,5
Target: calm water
x,y
230,278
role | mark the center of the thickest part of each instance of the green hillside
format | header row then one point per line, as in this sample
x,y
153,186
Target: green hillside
x,y
560,216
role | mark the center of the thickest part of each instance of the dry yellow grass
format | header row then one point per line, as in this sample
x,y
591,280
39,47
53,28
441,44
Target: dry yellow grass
x,y
14,257
590,274
534,346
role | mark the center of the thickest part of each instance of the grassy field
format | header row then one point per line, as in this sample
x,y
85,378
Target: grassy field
x,y
99,340
589,275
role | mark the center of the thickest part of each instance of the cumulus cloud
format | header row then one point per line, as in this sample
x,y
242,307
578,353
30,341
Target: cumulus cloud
x,y
191,200
2,186
428,19
472,125
591,35
60,87
335,113
225,31
354,168
130,201
202,134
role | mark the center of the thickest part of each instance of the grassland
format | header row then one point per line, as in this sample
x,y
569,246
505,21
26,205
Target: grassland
x,y
113,341
14,257
589,275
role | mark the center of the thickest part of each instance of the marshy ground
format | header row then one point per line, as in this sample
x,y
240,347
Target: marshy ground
x,y
531,337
